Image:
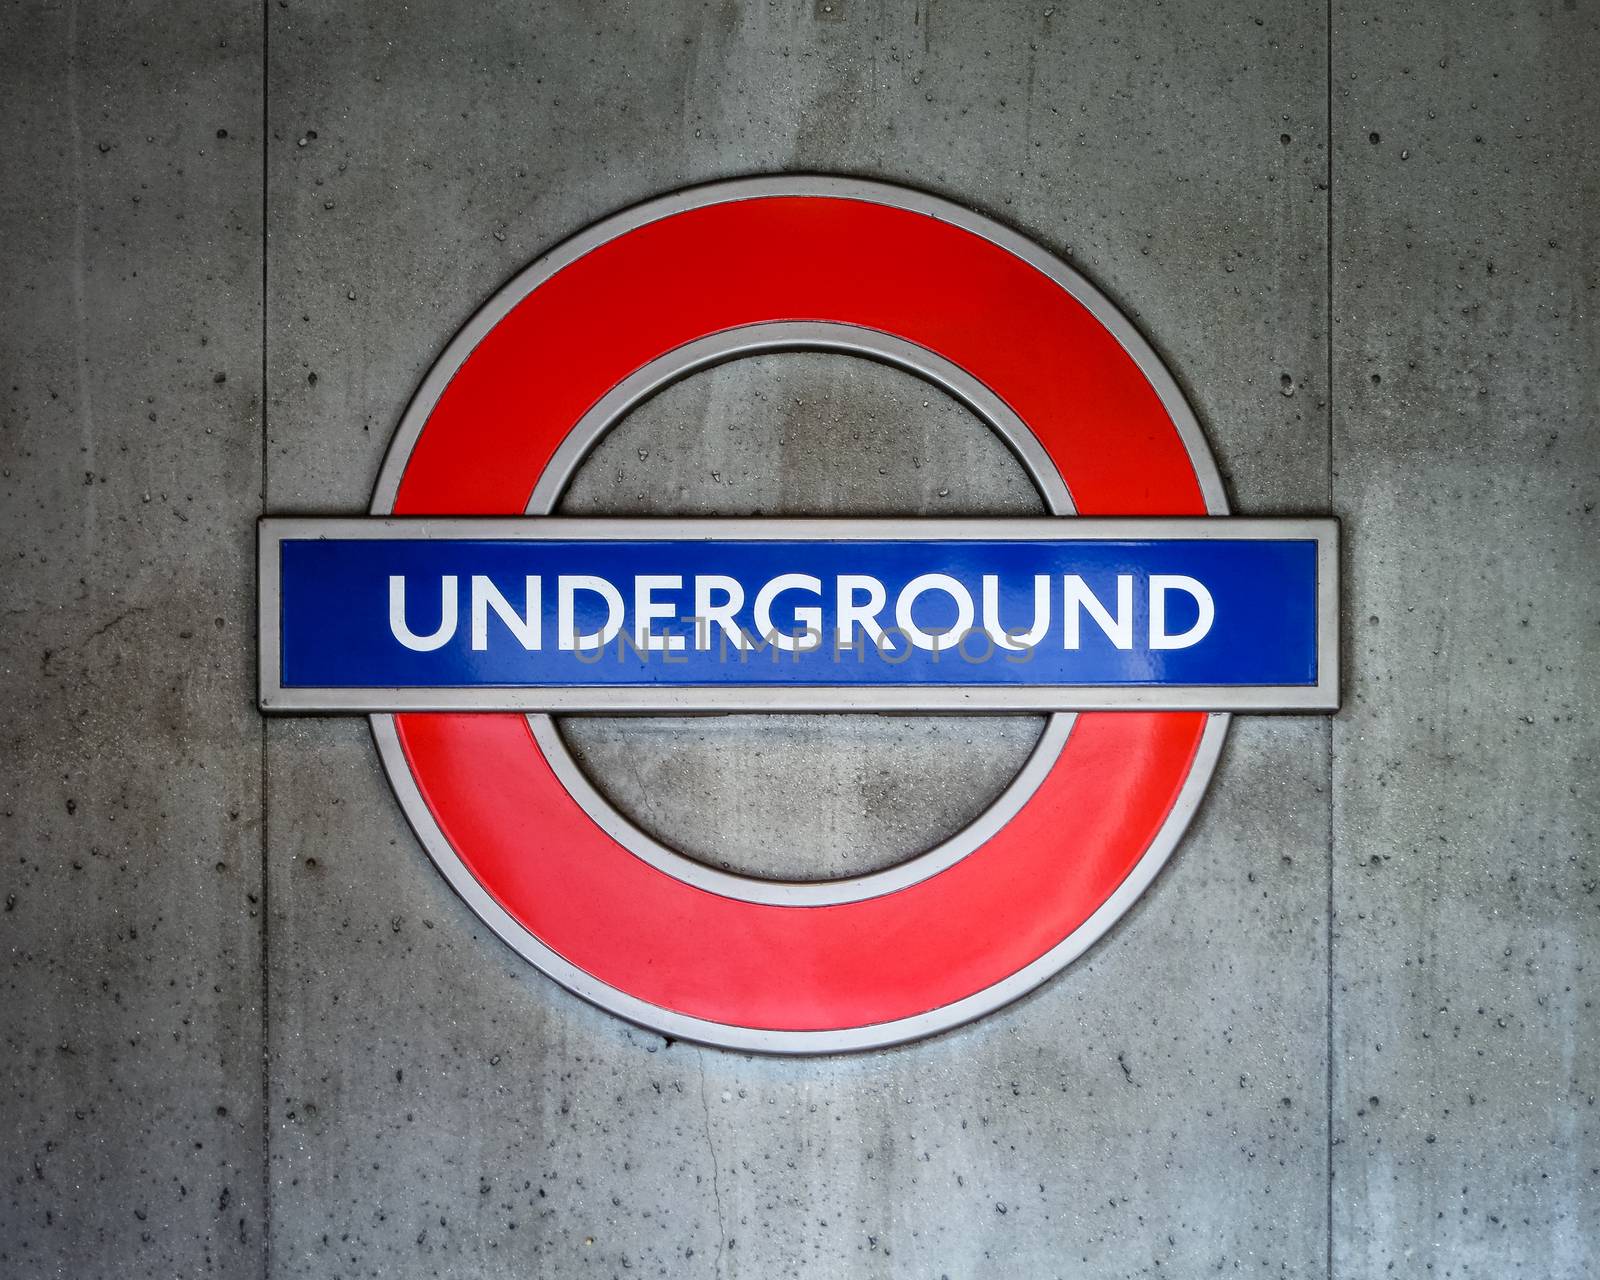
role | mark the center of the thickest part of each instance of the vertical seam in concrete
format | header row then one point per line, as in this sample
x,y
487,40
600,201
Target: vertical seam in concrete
x,y
266,917
1328,726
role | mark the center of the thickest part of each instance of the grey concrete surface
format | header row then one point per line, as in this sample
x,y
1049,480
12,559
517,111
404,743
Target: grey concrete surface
x,y
339,1072
452,1085
795,434
130,752
1467,463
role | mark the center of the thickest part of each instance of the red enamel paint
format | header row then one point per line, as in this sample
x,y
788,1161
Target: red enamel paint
x,y
751,261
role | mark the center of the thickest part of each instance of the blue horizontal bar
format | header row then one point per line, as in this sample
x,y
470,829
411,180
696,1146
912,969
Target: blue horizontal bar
x,y
1134,605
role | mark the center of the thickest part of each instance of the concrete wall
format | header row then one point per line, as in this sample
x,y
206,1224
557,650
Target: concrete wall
x,y
249,1030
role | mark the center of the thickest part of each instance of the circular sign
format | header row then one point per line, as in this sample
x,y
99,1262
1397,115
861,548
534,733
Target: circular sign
x,y
562,353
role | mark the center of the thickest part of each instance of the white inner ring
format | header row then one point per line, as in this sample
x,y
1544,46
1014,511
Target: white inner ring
x,y
760,339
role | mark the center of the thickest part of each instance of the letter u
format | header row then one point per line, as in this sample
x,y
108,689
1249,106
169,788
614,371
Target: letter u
x,y
448,614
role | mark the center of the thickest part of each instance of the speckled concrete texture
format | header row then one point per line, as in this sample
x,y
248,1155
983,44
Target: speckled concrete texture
x,y
791,435
249,1031
1467,462
468,1116
130,751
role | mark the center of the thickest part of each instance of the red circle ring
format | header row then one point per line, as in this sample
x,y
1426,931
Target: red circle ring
x,y
674,956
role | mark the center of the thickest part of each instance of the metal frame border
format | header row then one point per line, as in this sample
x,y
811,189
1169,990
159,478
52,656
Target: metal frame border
x,y
838,338
693,699
805,893
667,1021
798,335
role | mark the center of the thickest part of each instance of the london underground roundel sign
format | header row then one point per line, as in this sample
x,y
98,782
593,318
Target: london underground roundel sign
x,y
461,614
